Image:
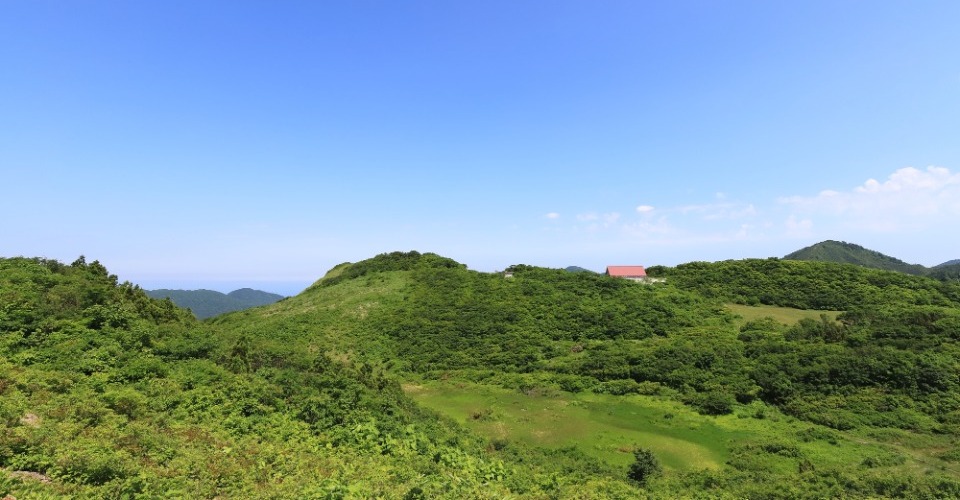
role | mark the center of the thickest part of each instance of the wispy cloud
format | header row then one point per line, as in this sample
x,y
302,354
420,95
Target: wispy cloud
x,y
552,216
719,220
658,229
798,228
598,221
907,206
718,211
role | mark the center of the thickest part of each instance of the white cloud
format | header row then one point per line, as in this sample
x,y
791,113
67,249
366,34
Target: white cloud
x,y
645,209
908,208
909,198
911,179
552,216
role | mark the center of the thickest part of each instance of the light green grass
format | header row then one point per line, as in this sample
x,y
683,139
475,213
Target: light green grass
x,y
785,315
610,427
327,319
605,427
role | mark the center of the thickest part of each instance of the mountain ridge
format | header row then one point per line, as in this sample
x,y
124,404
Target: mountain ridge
x,y
842,252
209,303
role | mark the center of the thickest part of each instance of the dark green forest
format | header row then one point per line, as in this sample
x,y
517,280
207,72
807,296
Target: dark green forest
x,y
209,303
107,392
842,252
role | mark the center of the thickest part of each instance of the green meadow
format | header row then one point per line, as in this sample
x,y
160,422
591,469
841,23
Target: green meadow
x,y
611,427
785,315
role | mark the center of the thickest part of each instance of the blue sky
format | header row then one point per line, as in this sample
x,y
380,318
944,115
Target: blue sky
x,y
214,144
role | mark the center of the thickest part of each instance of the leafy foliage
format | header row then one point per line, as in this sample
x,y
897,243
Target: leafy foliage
x,y
107,392
807,285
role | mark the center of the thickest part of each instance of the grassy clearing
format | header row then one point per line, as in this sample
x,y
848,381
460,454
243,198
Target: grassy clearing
x,y
785,315
610,427
603,426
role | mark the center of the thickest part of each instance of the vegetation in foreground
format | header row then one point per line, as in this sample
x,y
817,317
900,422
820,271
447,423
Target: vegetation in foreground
x,y
109,393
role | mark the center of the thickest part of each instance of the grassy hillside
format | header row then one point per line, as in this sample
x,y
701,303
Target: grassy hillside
x,y
859,403
848,253
107,393
408,375
209,303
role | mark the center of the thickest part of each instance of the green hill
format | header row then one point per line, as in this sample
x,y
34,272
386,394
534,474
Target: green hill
x,y
209,303
576,360
107,393
945,272
408,375
806,284
849,253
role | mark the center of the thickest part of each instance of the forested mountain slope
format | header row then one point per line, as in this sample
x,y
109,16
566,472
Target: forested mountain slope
x,y
208,303
946,272
842,252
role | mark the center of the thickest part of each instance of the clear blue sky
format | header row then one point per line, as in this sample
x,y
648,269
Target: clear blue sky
x,y
190,144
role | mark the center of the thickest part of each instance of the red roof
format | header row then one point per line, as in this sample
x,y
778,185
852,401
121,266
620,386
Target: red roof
x,y
626,271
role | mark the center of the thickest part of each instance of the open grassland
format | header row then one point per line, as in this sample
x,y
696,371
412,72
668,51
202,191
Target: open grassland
x,y
329,320
610,427
603,426
785,315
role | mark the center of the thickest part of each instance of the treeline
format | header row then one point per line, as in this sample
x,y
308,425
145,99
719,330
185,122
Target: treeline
x,y
452,318
807,285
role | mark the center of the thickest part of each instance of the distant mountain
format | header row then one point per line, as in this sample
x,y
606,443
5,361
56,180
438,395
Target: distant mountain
x,y
946,271
849,253
578,269
209,303
254,297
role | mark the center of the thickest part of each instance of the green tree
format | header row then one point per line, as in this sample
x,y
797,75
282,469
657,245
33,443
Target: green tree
x,y
644,467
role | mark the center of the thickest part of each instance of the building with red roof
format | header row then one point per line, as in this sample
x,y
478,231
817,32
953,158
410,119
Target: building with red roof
x,y
628,272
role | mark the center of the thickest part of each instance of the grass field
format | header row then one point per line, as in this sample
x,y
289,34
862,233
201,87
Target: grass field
x,y
785,315
610,427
